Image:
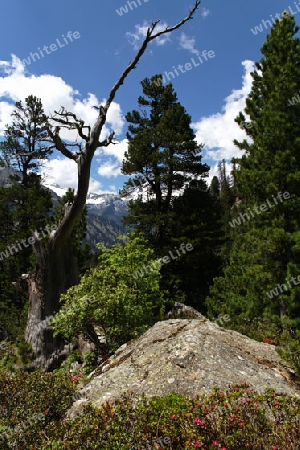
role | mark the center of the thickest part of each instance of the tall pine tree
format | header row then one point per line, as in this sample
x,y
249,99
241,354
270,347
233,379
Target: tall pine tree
x,y
265,253
174,206
24,205
163,155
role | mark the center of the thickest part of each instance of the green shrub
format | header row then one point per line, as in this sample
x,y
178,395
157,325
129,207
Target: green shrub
x,y
114,298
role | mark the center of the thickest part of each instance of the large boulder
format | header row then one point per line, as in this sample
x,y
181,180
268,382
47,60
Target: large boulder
x,y
188,356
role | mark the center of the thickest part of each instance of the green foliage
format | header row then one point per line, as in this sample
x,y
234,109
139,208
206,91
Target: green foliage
x,y
110,300
164,158
265,250
198,222
25,139
236,418
24,206
162,154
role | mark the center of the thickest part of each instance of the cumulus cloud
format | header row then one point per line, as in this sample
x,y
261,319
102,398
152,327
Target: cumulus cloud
x,y
16,83
218,130
115,155
136,37
188,43
61,174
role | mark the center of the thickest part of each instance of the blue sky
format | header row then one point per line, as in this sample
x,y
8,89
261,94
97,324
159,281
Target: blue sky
x,y
88,45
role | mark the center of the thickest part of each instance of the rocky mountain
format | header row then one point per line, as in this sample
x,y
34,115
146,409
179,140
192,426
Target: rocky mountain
x,y
189,356
104,211
104,218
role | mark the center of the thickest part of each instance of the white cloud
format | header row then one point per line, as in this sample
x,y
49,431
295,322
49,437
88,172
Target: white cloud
x,y
63,172
218,130
188,43
135,38
17,84
205,12
115,154
110,168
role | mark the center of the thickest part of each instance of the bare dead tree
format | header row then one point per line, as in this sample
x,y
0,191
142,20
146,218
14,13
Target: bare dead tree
x,y
56,268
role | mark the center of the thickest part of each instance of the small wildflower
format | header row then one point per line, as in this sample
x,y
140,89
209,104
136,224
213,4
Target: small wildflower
x,y
172,417
197,421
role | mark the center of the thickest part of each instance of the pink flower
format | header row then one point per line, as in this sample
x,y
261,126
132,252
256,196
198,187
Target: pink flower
x,y
198,444
172,417
216,443
75,377
274,447
46,411
197,421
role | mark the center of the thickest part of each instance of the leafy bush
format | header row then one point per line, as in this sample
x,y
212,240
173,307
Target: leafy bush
x,y
110,300
237,419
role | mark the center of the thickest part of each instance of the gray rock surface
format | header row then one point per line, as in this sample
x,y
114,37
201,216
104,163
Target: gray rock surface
x,y
182,311
188,356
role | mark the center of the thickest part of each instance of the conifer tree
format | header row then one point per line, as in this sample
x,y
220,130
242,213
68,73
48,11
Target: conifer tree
x,y
174,206
163,152
25,204
214,188
265,225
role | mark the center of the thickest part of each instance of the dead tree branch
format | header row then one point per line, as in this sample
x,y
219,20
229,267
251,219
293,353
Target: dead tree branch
x,y
84,158
149,37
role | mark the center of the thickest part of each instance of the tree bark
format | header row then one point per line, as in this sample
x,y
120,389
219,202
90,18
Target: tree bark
x,y
56,268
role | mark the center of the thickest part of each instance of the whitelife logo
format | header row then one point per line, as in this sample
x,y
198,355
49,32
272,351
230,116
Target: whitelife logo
x,y
183,68
263,207
124,9
268,23
283,287
160,261
53,47
17,246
